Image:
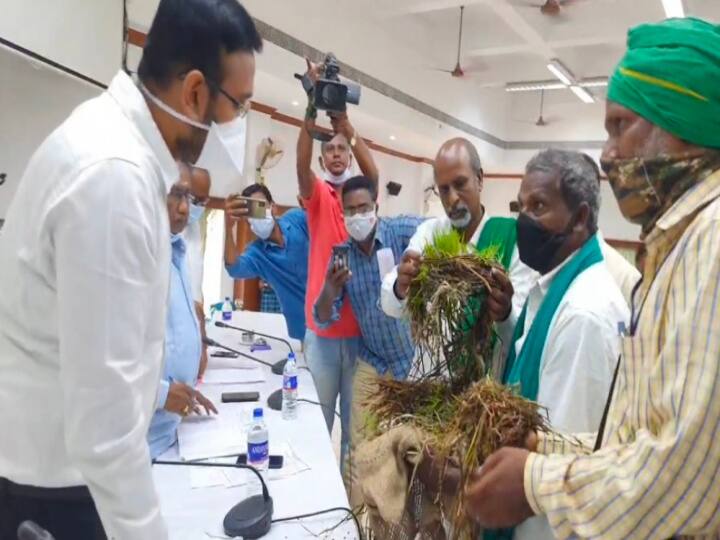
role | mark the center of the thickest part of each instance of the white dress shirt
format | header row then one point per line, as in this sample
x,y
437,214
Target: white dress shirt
x,y
84,268
522,276
578,359
623,271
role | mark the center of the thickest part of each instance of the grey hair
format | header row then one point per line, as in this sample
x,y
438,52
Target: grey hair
x,y
579,179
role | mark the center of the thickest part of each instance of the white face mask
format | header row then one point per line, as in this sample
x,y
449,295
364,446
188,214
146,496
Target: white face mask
x,y
262,228
196,212
223,154
360,226
339,179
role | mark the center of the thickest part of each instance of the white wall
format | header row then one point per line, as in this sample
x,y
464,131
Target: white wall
x,y
64,30
282,179
34,100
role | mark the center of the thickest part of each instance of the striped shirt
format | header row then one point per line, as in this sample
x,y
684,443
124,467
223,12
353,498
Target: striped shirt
x,y
657,474
386,342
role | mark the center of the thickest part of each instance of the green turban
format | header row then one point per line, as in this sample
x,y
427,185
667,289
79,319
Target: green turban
x,y
670,76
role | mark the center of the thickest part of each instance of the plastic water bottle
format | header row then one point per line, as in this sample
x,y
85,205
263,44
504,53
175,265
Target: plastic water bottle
x,y
227,310
290,389
258,448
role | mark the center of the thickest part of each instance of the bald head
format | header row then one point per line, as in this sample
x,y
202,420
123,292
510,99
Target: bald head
x,y
458,178
460,150
200,182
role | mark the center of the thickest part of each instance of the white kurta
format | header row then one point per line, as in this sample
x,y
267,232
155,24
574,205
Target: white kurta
x,y
578,360
521,276
84,268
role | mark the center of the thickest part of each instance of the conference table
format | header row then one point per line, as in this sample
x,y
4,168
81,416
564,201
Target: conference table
x,y
194,513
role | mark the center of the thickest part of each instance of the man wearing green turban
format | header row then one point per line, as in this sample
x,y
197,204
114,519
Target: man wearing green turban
x,y
653,469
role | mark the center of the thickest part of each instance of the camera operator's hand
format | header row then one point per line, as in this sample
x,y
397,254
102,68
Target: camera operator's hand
x,y
341,124
314,71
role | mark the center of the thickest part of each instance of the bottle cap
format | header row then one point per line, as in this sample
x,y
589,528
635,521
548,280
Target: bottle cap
x,y
258,413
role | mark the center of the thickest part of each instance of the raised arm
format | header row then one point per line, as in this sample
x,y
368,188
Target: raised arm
x,y
306,177
341,124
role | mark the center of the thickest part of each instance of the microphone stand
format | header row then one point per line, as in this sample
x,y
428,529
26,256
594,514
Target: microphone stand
x,y
212,343
251,517
274,400
277,367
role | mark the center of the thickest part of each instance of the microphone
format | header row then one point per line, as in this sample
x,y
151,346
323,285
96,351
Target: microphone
x,y
274,400
212,343
251,517
278,366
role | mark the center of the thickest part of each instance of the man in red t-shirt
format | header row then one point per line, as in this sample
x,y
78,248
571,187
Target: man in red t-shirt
x,y
331,353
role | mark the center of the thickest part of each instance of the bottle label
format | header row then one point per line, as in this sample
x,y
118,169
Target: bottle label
x,y
290,382
257,452
227,315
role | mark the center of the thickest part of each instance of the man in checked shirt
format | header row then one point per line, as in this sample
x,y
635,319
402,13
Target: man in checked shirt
x,y
654,471
375,247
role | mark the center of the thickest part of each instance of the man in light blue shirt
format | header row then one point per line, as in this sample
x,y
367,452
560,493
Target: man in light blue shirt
x,y
183,343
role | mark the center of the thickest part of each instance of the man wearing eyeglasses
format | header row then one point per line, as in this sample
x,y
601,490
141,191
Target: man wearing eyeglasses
x,y
84,272
386,346
177,396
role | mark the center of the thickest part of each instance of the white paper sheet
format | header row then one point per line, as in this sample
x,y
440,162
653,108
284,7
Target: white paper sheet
x,y
206,437
233,376
203,477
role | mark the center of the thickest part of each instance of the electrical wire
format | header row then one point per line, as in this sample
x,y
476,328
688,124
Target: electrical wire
x,y
321,512
319,404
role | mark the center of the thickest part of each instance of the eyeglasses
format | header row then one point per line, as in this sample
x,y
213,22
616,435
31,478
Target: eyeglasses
x,y
189,197
241,108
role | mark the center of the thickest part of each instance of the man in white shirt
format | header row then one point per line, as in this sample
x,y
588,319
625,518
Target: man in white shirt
x,y
84,259
566,342
458,179
459,182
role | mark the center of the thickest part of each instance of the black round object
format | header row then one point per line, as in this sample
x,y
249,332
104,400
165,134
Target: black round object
x,y
250,518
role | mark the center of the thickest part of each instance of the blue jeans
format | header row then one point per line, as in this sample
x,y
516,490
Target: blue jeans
x,y
332,364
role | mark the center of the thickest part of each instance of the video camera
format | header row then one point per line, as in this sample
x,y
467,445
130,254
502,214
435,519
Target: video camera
x,y
330,93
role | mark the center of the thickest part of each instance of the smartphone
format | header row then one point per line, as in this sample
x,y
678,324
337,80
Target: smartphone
x,y
224,354
257,208
239,397
340,256
276,462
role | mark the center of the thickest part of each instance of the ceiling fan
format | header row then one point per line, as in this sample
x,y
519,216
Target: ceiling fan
x,y
541,122
457,71
552,7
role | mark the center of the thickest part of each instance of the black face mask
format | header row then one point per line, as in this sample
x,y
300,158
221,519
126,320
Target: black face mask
x,y
538,246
